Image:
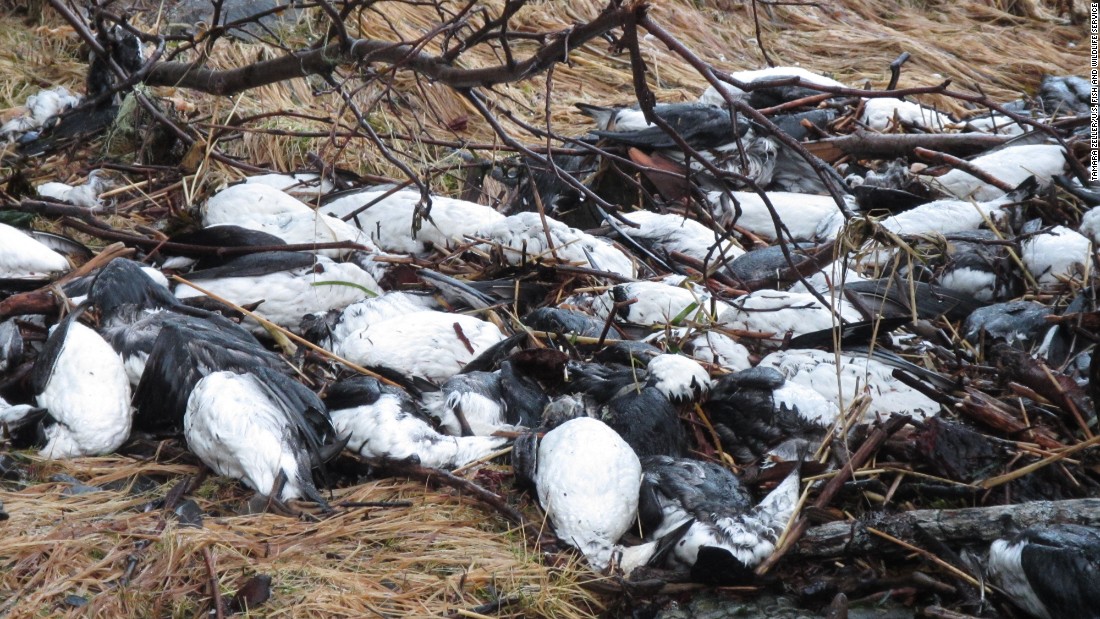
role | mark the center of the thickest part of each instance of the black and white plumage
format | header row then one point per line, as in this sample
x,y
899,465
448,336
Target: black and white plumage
x,y
888,187
124,48
335,326
183,353
975,263
831,278
39,109
456,292
20,421
1090,225
123,283
1065,95
22,257
1050,571
993,123
659,303
951,216
881,113
134,308
667,233
801,213
262,428
679,378
11,345
534,181
631,404
806,79
81,381
305,186
674,488
469,403
587,480
705,346
264,208
602,382
523,238
780,313
381,422
85,194
524,397
727,536
134,331
858,375
1056,255
429,344
389,221
701,125
1013,165
286,285
221,235
755,410
727,141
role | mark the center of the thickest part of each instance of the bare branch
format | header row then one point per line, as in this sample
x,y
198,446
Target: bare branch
x,y
323,60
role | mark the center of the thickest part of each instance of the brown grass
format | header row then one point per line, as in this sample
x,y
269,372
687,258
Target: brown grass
x,y
441,554
975,44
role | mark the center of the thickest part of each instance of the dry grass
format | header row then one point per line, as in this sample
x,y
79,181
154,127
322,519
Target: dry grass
x,y
975,44
443,553
439,555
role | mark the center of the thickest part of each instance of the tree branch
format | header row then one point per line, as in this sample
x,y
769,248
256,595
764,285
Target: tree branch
x,y
325,59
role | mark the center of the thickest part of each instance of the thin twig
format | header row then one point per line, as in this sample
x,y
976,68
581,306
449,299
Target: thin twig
x,y
927,555
270,326
215,588
965,166
993,482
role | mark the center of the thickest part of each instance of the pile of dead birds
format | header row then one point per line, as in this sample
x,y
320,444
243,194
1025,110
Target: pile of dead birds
x,y
721,340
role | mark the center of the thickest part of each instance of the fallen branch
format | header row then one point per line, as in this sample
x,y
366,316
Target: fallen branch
x,y
967,525
323,60
55,209
865,144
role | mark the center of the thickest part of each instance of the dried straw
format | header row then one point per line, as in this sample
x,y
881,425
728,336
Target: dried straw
x,y
439,555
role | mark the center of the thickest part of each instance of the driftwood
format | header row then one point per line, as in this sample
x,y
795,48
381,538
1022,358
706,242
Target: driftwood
x,y
865,144
951,526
